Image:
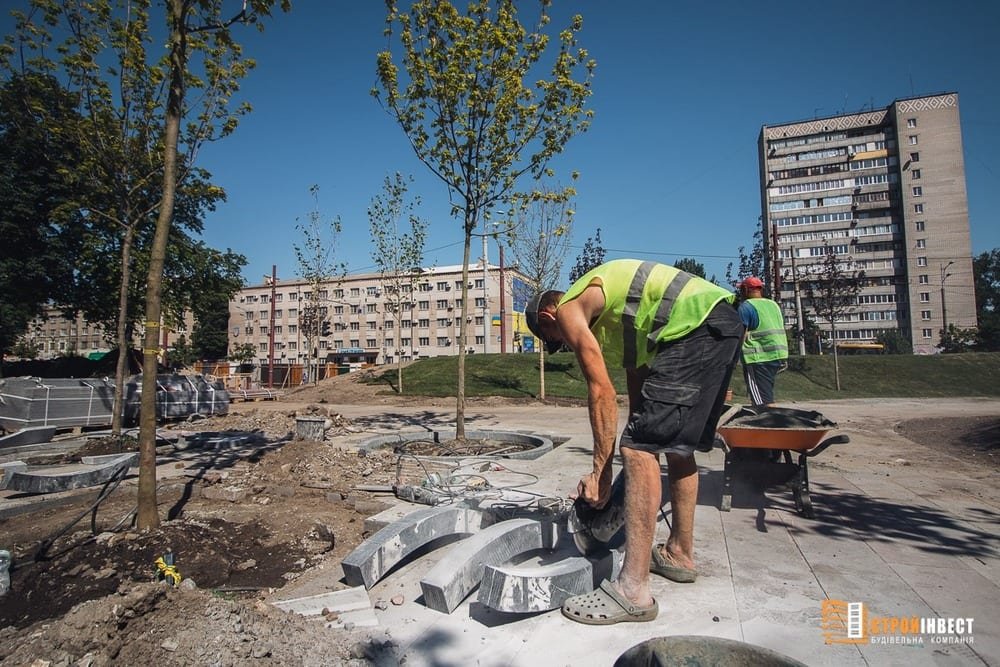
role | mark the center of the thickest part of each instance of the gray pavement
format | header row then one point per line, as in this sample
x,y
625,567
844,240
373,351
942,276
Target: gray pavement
x,y
907,530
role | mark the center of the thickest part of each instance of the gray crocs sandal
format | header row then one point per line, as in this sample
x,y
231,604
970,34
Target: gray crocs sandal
x,y
606,606
659,565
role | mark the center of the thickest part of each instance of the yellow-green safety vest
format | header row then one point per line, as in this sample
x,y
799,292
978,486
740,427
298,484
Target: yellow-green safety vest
x,y
645,303
768,341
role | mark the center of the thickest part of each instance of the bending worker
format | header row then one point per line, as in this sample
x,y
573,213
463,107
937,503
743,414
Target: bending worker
x,y
678,338
765,346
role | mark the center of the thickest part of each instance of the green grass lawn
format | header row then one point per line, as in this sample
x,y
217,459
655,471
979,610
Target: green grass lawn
x,y
807,378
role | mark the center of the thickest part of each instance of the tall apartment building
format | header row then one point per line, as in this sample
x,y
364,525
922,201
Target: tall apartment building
x,y
885,190
363,328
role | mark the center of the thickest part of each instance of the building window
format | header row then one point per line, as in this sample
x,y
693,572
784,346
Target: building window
x,y
925,297
913,140
927,333
915,174
371,290
442,303
921,243
293,328
921,261
422,341
918,191
479,283
911,122
371,308
371,342
338,293
925,314
443,286
480,340
443,341
918,208
480,302
424,305
923,279
355,326
372,326
920,225
424,323
914,157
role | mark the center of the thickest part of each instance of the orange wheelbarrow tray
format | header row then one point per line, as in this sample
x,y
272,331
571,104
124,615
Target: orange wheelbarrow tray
x,y
783,431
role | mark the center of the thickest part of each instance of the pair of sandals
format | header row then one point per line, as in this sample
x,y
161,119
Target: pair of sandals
x,y
606,606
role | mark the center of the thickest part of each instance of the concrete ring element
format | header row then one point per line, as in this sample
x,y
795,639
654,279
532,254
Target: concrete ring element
x,y
541,444
374,557
452,579
524,590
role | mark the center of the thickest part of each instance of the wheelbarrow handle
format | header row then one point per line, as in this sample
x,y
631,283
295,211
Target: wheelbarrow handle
x,y
839,439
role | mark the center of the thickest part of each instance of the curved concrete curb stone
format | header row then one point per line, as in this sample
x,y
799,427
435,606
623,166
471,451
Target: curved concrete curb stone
x,y
61,478
388,547
538,588
542,444
461,569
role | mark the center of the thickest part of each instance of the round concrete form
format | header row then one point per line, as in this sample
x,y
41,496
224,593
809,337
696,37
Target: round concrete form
x,y
695,651
539,444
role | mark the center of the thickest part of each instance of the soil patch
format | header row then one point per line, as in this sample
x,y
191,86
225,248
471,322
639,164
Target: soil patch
x,y
975,438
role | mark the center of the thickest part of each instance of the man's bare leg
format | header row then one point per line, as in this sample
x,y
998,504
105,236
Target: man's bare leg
x,y
683,474
642,500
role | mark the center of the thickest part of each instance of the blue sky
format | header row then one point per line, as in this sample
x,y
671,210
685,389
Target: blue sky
x,y
669,167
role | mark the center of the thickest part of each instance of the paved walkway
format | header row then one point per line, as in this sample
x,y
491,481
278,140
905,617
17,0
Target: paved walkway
x,y
903,529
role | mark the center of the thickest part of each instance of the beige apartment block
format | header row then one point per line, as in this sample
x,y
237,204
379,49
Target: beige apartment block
x,y
885,189
365,328
57,336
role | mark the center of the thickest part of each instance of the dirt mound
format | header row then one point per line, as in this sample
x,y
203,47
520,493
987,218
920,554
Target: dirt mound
x,y
152,624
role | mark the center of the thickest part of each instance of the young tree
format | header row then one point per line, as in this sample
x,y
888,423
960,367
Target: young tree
x,y
751,263
398,236
470,113
315,257
832,288
590,257
539,240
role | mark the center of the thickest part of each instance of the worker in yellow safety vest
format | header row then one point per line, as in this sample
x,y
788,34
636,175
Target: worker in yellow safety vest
x,y
765,345
677,336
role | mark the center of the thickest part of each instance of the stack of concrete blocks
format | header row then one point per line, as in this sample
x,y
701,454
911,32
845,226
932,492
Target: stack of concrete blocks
x,y
61,402
178,397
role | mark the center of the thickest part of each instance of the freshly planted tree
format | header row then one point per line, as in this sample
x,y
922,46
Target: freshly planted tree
x,y
315,257
832,288
539,239
469,112
398,236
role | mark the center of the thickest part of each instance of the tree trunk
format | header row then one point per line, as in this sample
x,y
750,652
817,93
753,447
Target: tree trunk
x,y
121,334
147,516
541,370
836,358
463,332
399,370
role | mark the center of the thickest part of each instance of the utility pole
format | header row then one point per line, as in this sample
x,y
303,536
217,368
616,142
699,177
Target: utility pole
x,y
944,307
799,315
503,309
486,293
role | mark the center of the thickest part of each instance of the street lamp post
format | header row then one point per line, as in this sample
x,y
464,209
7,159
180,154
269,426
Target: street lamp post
x,y
944,307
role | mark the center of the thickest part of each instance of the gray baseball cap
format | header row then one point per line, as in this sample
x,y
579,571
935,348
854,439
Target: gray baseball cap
x,y
531,319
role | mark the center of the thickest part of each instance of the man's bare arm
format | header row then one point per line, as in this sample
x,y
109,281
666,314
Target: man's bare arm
x,y
574,324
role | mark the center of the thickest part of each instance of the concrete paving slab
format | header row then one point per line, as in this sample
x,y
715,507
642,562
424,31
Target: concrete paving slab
x,y
349,599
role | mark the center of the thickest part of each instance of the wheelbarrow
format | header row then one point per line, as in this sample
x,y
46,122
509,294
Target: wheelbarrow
x,y
794,436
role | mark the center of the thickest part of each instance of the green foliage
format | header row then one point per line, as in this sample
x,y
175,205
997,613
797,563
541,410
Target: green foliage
x,y
751,263
986,271
589,258
26,348
39,225
243,353
955,340
691,266
895,342
832,288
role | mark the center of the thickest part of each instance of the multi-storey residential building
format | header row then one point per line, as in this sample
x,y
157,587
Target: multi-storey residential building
x,y
885,190
55,335
361,324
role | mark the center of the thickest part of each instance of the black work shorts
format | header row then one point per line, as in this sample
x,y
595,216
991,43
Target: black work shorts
x,y
685,389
